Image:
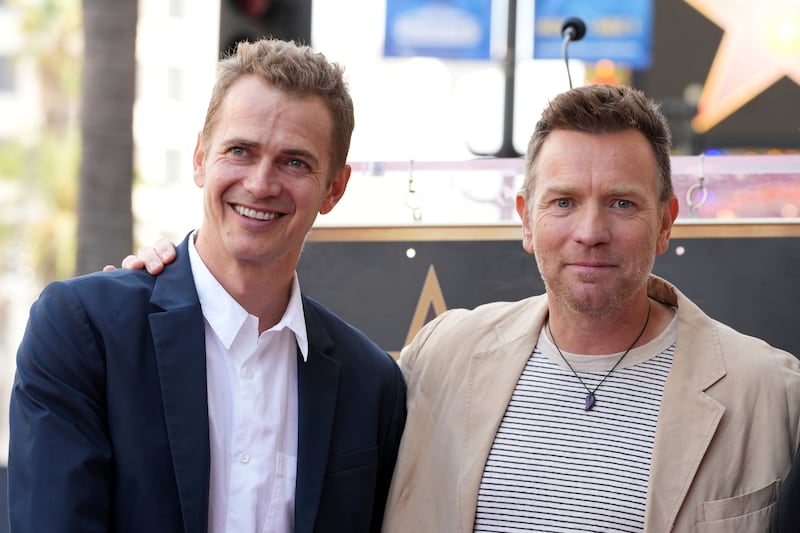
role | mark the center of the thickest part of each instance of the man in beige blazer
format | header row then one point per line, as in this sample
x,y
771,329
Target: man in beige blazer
x,y
612,402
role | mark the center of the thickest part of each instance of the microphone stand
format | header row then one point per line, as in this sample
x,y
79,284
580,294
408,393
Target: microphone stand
x,y
568,37
509,70
573,29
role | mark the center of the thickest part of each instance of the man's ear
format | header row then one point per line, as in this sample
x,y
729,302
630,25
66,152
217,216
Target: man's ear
x,y
527,227
335,190
668,216
197,160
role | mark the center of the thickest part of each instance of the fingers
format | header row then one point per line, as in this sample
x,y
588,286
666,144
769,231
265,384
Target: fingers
x,y
133,262
153,258
146,257
165,250
109,268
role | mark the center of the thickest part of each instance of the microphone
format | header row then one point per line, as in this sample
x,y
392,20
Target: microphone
x,y
573,29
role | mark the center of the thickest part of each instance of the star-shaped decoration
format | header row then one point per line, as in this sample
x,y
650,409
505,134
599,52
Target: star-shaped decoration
x,y
761,44
430,305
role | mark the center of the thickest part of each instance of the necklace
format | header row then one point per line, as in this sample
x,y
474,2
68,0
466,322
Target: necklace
x,y
590,396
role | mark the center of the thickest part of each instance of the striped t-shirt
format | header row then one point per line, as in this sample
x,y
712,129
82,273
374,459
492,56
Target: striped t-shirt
x,y
555,467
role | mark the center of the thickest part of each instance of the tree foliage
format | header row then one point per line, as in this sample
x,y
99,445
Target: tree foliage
x,y
38,171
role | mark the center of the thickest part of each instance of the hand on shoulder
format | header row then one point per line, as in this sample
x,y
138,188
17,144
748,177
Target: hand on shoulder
x,y
154,258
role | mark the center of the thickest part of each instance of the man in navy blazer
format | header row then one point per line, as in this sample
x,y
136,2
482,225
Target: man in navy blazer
x,y
116,397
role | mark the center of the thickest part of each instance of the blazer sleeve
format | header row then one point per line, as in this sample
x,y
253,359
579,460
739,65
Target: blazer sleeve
x,y
389,448
59,452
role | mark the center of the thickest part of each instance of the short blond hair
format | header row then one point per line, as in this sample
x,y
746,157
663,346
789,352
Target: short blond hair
x,y
296,69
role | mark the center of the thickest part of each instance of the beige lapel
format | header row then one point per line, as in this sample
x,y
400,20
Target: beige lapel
x,y
688,418
492,378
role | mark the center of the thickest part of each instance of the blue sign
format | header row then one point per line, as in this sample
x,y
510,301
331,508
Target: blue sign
x,y
449,29
619,30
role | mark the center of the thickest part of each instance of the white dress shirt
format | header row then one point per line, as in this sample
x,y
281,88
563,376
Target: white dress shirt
x,y
252,409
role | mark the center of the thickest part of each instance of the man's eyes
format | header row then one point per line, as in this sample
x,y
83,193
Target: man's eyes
x,y
624,204
297,163
619,203
291,162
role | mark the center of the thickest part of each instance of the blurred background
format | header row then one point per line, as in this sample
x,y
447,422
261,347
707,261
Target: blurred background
x,y
101,102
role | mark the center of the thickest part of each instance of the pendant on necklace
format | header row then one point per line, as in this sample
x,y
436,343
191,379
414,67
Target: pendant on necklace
x,y
590,399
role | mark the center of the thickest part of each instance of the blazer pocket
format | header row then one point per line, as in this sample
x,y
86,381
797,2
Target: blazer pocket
x,y
352,460
746,512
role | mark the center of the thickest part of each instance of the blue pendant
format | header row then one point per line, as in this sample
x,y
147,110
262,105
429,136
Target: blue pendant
x,y
590,399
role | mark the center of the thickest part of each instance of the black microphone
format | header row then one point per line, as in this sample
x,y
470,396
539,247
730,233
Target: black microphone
x,y
573,29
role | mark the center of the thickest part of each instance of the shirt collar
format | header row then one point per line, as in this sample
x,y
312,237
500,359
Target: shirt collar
x,y
226,317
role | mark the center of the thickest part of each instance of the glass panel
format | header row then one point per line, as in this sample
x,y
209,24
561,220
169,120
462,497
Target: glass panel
x,y
711,189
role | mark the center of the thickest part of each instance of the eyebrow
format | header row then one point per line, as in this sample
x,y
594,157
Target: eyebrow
x,y
568,190
559,190
625,191
296,152
238,141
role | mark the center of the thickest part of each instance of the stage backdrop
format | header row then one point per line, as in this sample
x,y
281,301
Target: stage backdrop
x,y
411,239
390,281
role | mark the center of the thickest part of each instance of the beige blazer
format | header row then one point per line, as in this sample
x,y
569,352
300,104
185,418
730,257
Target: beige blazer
x,y
726,435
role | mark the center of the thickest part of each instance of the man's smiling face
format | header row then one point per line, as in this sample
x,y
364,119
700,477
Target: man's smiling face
x,y
266,173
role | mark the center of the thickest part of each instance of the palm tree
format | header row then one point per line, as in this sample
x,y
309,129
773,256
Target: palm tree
x,y
105,220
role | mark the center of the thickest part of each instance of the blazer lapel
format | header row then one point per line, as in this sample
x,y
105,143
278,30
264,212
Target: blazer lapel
x,y
686,411
179,341
317,389
492,379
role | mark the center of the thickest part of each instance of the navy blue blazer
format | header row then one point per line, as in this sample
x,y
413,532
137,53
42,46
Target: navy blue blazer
x,y
109,413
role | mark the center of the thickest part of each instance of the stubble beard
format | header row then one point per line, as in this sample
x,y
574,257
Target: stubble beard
x,y
596,300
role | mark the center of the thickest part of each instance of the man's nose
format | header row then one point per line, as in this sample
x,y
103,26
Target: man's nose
x,y
263,180
592,225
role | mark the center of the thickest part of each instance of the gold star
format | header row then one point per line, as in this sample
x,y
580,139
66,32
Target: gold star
x,y
761,44
430,305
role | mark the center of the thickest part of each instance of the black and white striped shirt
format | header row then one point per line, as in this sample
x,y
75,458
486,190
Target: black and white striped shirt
x,y
554,467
